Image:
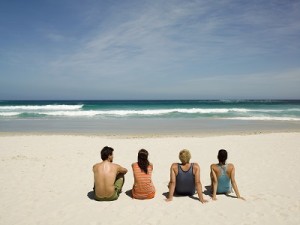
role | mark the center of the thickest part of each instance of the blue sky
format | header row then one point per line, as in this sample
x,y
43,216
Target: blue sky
x,y
128,49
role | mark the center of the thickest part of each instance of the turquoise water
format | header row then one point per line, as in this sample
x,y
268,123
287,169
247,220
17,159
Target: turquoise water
x,y
260,110
153,117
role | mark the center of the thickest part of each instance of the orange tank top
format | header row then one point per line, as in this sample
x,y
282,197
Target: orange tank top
x,y
143,187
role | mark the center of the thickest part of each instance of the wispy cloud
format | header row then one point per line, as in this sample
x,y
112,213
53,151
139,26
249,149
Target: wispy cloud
x,y
181,32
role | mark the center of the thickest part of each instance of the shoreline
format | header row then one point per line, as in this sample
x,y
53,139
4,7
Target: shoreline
x,y
146,127
148,135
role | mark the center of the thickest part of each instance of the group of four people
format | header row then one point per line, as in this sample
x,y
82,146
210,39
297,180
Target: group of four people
x,y
184,177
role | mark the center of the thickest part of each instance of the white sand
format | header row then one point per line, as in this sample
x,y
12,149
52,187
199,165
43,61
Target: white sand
x,y
45,180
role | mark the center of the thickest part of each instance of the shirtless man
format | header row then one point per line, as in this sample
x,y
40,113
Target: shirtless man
x,y
185,178
223,177
108,177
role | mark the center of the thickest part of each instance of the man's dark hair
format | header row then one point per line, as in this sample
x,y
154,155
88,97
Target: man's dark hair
x,y
105,152
222,156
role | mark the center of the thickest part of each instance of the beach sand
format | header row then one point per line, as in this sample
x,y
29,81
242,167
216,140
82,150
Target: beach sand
x,y
48,179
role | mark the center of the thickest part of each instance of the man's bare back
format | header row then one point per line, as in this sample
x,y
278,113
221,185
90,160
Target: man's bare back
x,y
106,174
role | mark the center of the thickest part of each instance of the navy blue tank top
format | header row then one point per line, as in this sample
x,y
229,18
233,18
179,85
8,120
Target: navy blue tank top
x,y
185,181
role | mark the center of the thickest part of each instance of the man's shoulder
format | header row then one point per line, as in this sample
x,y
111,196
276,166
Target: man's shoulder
x,y
196,166
97,165
174,165
115,165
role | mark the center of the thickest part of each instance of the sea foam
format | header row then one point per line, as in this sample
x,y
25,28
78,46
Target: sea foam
x,y
41,107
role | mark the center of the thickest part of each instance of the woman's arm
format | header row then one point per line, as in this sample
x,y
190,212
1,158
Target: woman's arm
x,y
214,182
234,185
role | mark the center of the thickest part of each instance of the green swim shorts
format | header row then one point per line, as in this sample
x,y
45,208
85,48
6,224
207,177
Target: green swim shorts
x,y
118,188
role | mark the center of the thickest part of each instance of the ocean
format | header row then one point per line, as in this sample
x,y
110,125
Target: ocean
x,y
99,116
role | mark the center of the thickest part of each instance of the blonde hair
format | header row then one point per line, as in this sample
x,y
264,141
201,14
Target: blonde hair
x,y
185,156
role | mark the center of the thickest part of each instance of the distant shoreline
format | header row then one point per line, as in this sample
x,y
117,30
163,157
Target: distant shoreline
x,y
146,127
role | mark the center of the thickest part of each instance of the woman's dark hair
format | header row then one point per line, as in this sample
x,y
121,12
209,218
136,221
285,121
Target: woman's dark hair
x,y
143,162
105,152
222,156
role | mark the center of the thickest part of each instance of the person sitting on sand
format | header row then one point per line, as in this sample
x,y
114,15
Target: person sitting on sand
x,y
143,187
185,178
223,176
108,177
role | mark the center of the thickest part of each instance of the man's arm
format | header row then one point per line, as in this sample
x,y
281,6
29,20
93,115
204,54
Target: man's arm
x,y
122,170
172,183
198,183
214,182
233,182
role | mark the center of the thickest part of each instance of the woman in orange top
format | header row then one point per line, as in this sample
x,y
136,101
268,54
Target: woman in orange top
x,y
143,187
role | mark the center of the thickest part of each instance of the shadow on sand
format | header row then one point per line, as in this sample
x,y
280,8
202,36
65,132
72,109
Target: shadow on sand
x,y
91,195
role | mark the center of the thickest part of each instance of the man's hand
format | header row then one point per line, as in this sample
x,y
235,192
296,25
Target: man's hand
x,y
168,199
203,201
